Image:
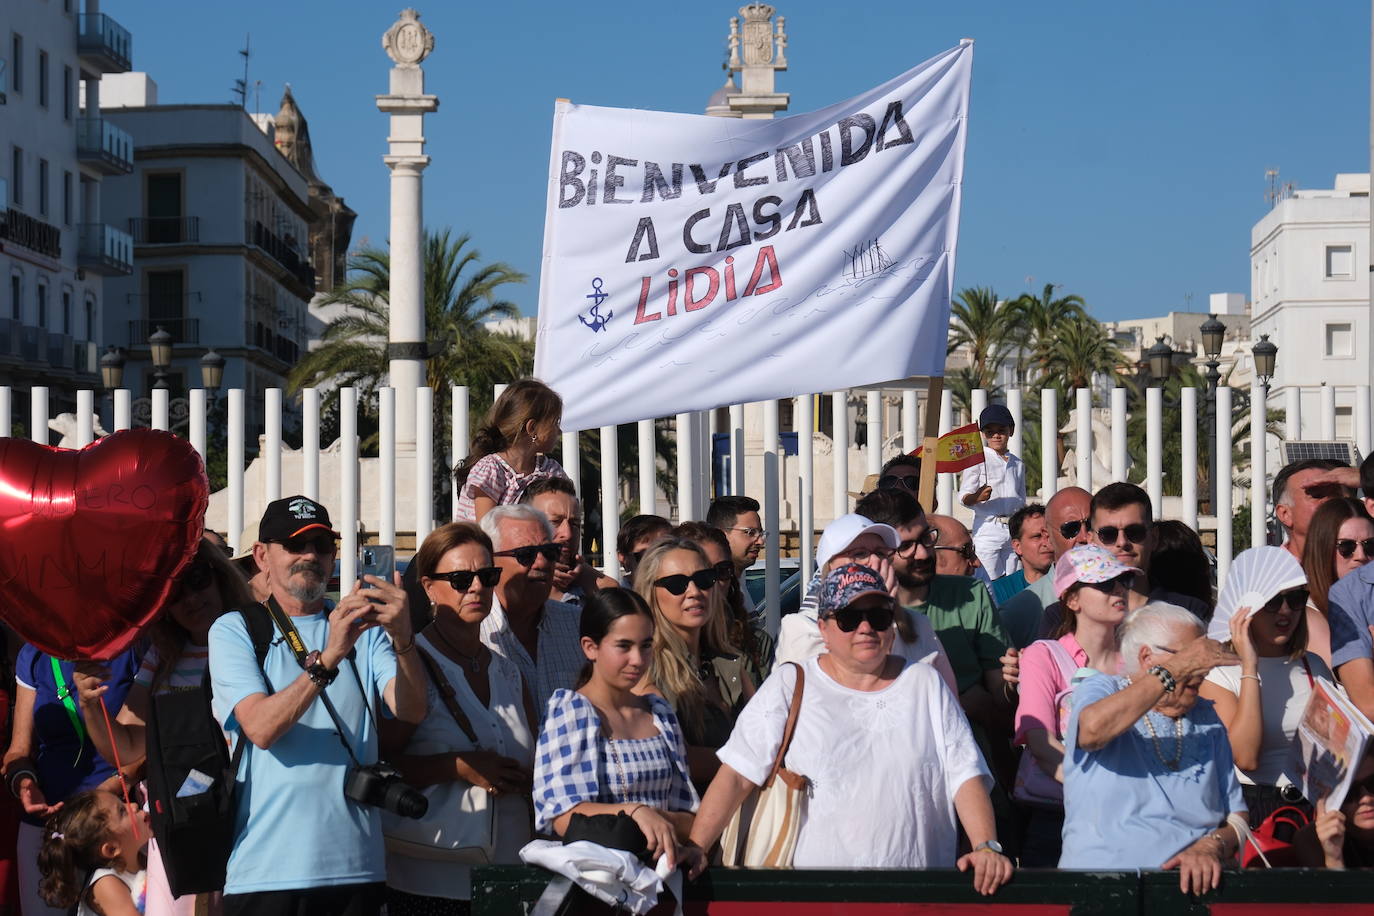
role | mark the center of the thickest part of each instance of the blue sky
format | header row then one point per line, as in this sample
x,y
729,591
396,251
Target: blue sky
x,y
1118,149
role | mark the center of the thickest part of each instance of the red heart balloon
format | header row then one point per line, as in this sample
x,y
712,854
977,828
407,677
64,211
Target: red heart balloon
x,y
93,539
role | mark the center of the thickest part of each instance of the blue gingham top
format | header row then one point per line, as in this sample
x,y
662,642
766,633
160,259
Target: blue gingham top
x,y
575,762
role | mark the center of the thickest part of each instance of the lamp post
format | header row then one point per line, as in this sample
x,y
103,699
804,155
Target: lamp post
x,y
211,373
160,344
1266,354
1213,333
1161,359
112,368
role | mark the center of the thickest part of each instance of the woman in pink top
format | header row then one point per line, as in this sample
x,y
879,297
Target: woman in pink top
x,y
1092,586
510,451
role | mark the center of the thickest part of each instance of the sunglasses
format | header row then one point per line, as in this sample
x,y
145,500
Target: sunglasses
x,y
1359,790
910,482
725,571
461,579
1346,547
848,618
1125,581
197,576
928,539
526,555
1070,529
964,550
677,585
321,545
1110,534
1296,599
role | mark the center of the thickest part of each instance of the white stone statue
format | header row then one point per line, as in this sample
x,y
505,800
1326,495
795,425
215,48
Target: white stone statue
x,y
1101,447
65,423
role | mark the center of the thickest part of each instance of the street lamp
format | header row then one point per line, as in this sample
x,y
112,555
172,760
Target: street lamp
x,y
211,373
1266,353
160,343
1213,334
112,368
1161,358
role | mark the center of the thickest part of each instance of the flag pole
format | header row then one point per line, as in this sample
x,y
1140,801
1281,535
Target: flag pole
x,y
930,450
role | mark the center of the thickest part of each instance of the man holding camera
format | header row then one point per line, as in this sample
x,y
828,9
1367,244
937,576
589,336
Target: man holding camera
x,y
308,834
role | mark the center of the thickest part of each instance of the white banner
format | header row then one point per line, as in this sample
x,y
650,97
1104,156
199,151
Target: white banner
x,y
692,262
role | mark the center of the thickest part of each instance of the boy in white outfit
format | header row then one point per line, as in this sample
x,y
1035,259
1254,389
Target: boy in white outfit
x,y
994,490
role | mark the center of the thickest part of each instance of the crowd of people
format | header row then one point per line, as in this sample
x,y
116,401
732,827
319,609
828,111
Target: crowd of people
x,y
1039,692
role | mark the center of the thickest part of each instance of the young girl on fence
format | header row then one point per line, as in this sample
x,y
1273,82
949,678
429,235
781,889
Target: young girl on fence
x,y
510,450
93,856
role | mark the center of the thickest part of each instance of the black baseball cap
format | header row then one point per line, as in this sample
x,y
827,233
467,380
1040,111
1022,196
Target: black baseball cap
x,y
291,517
996,413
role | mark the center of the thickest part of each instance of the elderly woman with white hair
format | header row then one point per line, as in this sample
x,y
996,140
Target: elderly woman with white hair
x,y
1149,781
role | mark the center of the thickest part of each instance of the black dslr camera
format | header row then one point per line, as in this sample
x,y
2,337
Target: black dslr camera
x,y
381,786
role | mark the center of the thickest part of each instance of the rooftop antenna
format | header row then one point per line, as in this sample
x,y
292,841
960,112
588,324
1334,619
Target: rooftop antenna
x,y
257,98
1276,191
241,85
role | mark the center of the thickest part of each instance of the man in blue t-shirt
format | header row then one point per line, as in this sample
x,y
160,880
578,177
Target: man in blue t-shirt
x,y
300,845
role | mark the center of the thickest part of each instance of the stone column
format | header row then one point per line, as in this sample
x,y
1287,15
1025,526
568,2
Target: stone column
x,y
407,43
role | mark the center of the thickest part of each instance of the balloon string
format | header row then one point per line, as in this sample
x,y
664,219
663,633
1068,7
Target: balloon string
x,y
119,768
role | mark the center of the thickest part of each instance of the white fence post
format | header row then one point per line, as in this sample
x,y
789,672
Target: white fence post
x,y
1188,446
772,460
1292,413
235,470
195,421
6,411
38,415
310,443
1154,448
1083,437
424,463
458,442
839,428
1119,449
1362,420
123,410
1049,444
348,489
1014,405
610,501
162,404
686,474
572,459
945,491
875,431
1328,414
386,460
272,442
1258,484
911,433
648,464
806,489
85,428
1225,485
977,403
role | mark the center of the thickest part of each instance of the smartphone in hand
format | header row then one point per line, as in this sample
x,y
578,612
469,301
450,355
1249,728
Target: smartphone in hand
x,y
377,560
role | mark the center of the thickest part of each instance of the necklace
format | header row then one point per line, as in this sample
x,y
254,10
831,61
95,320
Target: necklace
x,y
1178,742
474,661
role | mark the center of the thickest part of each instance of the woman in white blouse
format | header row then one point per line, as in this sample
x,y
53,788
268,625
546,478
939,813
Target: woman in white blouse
x,y
456,571
887,751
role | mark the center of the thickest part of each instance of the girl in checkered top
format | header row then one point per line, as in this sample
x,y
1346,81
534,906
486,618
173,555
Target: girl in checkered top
x,y
605,749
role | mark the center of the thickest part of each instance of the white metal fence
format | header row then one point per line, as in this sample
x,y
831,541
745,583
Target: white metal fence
x,y
793,475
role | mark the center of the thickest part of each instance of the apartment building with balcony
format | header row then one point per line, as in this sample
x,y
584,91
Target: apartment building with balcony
x,y
58,248
220,222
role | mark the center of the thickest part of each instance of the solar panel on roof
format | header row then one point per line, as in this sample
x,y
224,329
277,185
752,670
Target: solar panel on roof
x,y
1345,452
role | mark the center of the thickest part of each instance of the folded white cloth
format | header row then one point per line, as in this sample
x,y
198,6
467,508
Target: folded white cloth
x,y
611,875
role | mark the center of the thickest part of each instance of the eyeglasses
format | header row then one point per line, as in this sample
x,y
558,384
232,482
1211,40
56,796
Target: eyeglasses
x,y
964,550
1346,547
677,585
862,556
928,539
461,579
849,617
1165,649
1070,529
196,577
1135,533
1125,581
753,534
910,482
725,571
526,555
1296,599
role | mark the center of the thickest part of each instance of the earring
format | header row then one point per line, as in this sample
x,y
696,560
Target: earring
x,y
534,438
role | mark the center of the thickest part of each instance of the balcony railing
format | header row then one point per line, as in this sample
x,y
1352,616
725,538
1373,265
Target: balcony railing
x,y
183,330
104,249
33,343
101,144
165,230
280,250
61,350
21,229
104,42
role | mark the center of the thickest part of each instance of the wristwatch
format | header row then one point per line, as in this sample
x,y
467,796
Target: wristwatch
x,y
317,672
989,844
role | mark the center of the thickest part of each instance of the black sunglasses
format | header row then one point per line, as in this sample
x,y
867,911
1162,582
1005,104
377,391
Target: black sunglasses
x,y
677,585
461,579
849,617
1125,580
928,539
725,571
1070,529
1135,533
1296,599
910,482
196,577
964,550
322,545
525,556
1346,547
1360,789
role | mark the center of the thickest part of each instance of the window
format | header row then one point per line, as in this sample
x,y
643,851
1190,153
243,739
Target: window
x,y
16,297
42,187
166,300
17,176
42,305
90,318
162,206
1345,423
67,198
1340,339
17,62
43,78
68,92
66,311
1340,262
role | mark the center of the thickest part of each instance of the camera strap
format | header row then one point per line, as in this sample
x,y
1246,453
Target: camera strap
x,y
297,646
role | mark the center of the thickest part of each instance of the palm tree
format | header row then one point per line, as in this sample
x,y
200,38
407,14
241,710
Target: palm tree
x,y
984,325
460,294
1039,319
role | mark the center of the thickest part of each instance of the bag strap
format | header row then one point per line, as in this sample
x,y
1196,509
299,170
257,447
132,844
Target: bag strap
x,y
447,694
1067,667
64,693
1312,684
793,711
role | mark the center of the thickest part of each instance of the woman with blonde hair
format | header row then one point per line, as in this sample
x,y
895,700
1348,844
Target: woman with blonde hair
x,y
695,667
510,450
1339,541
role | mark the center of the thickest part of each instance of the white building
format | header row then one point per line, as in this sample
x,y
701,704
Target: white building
x,y
1309,259
56,249
221,225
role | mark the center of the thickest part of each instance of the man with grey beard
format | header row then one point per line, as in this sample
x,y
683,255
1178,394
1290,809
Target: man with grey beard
x,y
301,845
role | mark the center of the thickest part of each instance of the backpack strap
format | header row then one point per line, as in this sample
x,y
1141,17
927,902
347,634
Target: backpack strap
x,y
258,621
1067,666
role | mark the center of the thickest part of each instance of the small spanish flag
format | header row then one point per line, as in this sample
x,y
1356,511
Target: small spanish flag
x,y
958,450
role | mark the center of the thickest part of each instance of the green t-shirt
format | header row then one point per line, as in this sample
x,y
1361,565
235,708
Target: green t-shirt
x,y
964,617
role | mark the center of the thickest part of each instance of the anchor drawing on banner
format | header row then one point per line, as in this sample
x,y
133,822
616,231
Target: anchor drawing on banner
x,y
598,321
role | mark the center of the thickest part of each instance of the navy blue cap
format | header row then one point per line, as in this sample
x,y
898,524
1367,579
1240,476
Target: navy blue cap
x,y
996,413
